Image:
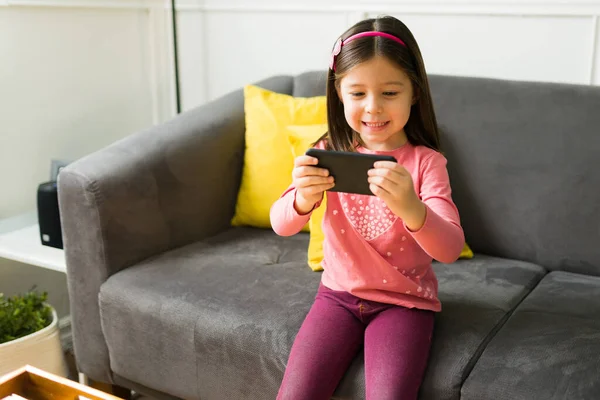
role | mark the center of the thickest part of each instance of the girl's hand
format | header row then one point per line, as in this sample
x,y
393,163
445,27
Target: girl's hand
x,y
392,183
310,183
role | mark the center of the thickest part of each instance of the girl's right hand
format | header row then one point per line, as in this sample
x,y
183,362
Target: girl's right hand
x,y
310,183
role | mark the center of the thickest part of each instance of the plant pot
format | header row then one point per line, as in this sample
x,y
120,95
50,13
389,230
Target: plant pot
x,y
41,349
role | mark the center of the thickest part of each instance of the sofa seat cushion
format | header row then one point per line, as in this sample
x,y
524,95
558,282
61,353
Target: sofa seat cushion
x,y
217,319
477,296
548,349
211,320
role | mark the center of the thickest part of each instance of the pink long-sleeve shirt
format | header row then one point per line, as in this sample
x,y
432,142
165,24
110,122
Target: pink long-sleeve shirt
x,y
369,252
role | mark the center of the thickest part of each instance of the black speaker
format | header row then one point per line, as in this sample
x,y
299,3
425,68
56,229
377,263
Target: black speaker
x,y
48,215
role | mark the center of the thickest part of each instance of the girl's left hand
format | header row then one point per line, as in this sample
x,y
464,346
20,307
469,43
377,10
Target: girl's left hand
x,y
392,183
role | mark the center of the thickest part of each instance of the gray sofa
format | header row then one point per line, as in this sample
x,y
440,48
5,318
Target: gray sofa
x,y
171,301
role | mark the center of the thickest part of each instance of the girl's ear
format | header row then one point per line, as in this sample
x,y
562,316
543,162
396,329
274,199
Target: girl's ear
x,y
415,97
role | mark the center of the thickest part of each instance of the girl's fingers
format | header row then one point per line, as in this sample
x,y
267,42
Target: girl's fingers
x,y
387,173
390,165
315,189
303,171
308,181
305,160
379,191
383,182
376,190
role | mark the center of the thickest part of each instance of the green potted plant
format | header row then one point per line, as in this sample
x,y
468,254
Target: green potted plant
x,y
29,334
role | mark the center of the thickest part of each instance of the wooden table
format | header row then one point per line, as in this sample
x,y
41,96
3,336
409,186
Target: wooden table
x,y
34,384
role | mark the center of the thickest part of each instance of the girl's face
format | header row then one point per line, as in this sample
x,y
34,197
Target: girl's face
x,y
377,97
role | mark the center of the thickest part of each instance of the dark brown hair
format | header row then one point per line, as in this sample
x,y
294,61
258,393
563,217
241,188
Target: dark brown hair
x,y
421,127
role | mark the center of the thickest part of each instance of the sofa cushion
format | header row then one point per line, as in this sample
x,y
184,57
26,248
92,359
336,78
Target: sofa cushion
x,y
477,296
217,319
268,160
548,349
211,320
309,84
301,138
522,158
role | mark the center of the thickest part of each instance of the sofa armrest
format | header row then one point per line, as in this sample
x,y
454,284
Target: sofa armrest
x,y
153,191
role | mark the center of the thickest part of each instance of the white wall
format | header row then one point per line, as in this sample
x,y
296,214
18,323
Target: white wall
x,y
74,77
225,44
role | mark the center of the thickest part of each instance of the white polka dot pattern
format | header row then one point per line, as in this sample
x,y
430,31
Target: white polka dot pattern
x,y
368,214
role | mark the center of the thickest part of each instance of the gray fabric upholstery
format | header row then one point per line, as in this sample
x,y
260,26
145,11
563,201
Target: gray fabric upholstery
x,y
153,191
213,320
196,333
310,84
549,348
477,295
523,162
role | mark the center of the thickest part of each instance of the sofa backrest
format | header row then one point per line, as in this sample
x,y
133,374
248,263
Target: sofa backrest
x,y
524,163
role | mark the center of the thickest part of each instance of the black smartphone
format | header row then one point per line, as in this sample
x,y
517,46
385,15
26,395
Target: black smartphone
x,y
349,170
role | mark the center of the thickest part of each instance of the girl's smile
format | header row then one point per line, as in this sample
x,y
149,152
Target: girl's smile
x,y
376,126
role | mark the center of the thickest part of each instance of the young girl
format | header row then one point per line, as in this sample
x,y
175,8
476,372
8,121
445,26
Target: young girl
x,y
378,289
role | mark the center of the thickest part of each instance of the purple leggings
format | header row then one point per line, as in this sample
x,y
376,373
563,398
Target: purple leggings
x,y
396,345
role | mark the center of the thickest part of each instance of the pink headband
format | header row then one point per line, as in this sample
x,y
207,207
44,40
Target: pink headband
x,y
337,48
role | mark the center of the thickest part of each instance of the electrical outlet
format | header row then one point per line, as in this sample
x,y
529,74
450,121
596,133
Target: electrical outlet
x,y
55,167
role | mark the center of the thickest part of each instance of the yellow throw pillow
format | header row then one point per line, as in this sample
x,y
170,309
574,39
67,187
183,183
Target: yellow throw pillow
x,y
301,138
466,252
268,161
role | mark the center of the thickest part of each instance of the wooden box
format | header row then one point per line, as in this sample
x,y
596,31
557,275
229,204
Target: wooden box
x,y
34,384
